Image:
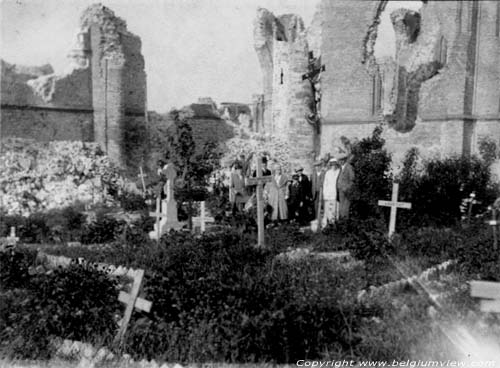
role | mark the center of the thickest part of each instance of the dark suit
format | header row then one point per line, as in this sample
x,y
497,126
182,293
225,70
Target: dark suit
x,y
345,183
317,189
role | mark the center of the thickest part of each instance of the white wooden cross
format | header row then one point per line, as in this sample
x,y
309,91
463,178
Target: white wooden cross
x,y
202,220
494,223
132,301
142,176
158,214
12,239
394,204
489,292
472,202
259,180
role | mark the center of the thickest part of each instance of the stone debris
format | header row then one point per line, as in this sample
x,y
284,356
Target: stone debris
x,y
394,286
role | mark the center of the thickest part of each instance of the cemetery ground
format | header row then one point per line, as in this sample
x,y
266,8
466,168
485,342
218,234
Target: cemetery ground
x,y
217,297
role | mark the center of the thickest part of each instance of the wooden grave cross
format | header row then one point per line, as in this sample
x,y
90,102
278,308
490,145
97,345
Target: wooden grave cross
x,y
202,220
494,224
132,301
472,202
158,215
394,204
142,176
259,181
489,292
12,239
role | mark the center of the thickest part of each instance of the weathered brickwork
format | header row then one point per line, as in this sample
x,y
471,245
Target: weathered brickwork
x,y
440,93
101,96
282,47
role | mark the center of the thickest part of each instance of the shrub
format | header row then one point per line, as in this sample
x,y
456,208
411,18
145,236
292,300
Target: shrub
x,y
75,303
131,201
14,267
371,164
438,191
103,229
476,254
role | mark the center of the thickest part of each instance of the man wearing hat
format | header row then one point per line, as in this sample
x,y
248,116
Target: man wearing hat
x,y
317,178
330,192
345,184
305,203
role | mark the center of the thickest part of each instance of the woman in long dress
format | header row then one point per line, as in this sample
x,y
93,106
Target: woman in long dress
x,y
277,193
331,204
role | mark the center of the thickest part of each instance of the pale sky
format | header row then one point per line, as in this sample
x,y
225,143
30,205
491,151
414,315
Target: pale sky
x,y
192,48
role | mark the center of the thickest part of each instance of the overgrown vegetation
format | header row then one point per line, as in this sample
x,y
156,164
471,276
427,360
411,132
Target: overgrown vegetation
x,y
76,303
216,297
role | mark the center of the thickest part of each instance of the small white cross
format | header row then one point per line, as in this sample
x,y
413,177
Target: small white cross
x,y
12,239
142,176
158,215
394,204
494,224
202,220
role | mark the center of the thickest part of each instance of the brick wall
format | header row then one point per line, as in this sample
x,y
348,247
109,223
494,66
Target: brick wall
x,y
453,108
102,97
46,124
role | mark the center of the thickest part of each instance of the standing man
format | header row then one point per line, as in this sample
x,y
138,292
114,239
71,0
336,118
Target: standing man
x,y
277,194
305,204
294,198
237,192
330,192
317,178
345,185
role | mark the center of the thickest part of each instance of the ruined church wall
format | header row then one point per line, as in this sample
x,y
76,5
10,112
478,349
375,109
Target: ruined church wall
x,y
432,139
487,96
457,107
134,82
46,124
346,83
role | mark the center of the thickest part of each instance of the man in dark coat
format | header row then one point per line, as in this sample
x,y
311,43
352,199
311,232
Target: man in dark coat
x,y
294,198
305,203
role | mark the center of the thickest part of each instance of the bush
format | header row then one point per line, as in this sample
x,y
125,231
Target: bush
x,y
132,201
103,229
371,164
438,192
77,303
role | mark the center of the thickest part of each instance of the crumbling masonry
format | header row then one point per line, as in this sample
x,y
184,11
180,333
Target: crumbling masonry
x,y
440,93
101,97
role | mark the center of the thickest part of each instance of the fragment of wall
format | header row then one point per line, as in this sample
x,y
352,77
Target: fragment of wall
x,y
347,82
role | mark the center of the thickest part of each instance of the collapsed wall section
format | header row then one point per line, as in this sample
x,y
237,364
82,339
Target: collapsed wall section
x,y
441,91
118,85
281,44
101,96
349,104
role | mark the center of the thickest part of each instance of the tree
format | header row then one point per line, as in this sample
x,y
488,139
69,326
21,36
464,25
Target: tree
x,y
194,167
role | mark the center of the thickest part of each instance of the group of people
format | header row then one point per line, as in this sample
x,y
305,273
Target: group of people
x,y
297,198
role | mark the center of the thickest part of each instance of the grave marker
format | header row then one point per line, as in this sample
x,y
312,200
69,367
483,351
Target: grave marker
x,y
12,239
132,301
489,292
202,220
472,202
158,216
259,181
394,204
142,176
494,223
